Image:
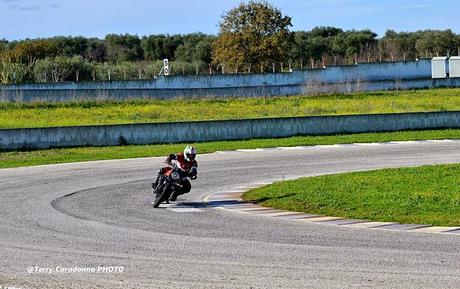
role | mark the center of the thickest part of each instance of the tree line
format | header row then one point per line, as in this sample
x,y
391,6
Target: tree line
x,y
241,47
334,46
116,57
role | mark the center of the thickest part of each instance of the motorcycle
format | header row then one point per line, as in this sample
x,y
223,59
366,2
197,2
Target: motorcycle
x,y
169,183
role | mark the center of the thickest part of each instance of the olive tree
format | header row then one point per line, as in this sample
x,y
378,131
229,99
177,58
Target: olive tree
x,y
11,72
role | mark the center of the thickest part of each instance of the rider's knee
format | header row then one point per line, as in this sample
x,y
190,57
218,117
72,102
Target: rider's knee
x,y
186,187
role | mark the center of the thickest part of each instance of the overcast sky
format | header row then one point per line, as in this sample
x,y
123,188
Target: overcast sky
x,y
21,19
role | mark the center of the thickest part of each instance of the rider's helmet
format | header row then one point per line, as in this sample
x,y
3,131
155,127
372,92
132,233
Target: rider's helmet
x,y
189,153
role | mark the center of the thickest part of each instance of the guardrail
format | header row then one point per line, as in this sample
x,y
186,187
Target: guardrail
x,y
199,131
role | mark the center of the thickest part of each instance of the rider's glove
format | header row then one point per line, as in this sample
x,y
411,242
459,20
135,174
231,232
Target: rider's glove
x,y
192,174
170,158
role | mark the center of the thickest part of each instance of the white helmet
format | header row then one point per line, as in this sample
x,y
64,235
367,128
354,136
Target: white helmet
x,y
189,153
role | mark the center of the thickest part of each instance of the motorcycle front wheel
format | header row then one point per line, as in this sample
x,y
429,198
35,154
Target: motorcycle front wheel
x,y
163,196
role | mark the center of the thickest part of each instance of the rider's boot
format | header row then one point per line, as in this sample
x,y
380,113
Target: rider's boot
x,y
174,196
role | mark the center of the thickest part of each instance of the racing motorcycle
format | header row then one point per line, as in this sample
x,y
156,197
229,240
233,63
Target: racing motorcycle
x,y
169,183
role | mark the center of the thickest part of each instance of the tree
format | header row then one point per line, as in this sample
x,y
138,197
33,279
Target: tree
x,y
70,46
28,52
96,51
42,70
122,48
445,42
252,35
125,71
399,46
357,40
60,68
3,45
104,71
152,46
13,72
299,48
159,47
436,43
458,45
80,68
390,43
197,47
338,45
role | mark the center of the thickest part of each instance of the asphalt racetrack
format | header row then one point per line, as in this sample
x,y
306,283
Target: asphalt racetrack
x,y
98,215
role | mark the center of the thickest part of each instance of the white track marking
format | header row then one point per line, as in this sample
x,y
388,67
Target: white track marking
x,y
184,209
249,150
435,229
295,148
335,146
369,144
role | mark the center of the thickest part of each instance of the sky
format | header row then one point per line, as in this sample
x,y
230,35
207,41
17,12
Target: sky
x,y
20,19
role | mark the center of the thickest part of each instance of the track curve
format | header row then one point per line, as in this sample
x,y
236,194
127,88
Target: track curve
x,y
98,214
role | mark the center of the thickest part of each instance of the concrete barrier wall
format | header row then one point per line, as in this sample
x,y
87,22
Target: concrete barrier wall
x,y
109,135
309,88
375,74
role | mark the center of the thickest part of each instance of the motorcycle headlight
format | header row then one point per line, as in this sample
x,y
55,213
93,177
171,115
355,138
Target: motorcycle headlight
x,y
175,176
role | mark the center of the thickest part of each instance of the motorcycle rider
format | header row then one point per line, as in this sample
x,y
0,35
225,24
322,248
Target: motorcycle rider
x,y
186,161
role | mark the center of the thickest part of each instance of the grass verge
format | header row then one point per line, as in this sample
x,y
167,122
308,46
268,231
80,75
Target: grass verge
x,y
65,155
22,115
423,195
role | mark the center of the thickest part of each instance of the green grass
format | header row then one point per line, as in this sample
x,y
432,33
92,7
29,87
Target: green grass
x,y
21,115
423,195
65,155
